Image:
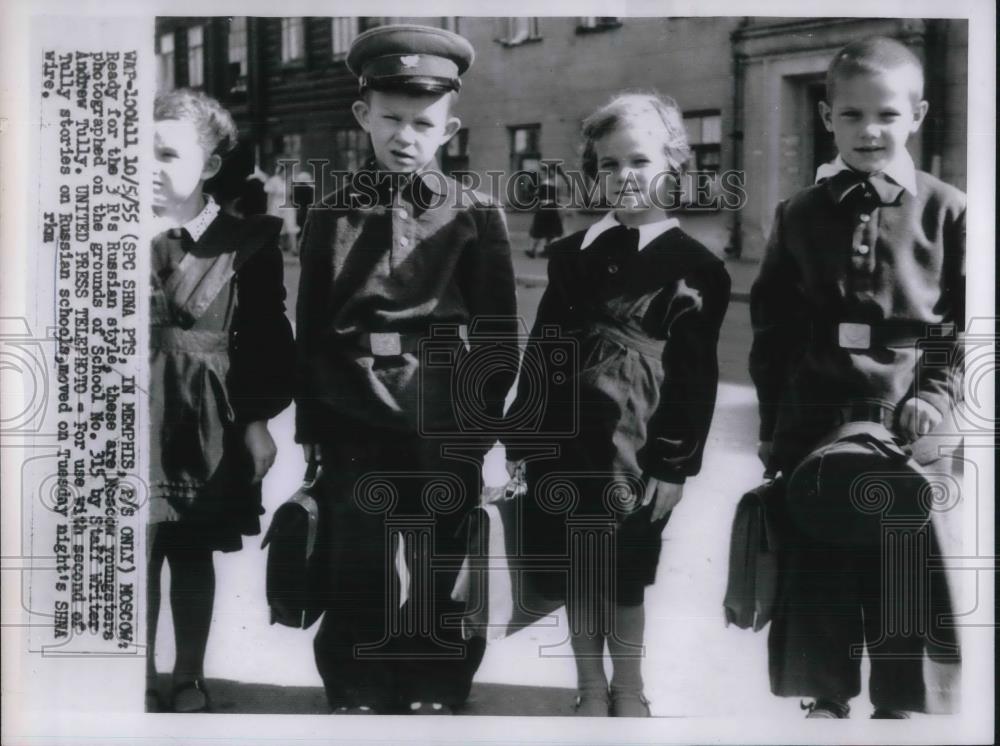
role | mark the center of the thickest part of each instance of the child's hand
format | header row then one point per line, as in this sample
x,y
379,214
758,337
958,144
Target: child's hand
x,y
764,450
918,417
663,495
262,450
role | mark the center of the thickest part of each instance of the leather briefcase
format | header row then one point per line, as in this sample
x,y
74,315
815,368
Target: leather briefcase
x,y
294,566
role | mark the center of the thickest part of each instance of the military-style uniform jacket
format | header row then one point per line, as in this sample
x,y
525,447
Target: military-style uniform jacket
x,y
858,300
220,357
388,273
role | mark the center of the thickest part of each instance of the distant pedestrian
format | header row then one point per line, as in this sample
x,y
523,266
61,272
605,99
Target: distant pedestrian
x,y
546,224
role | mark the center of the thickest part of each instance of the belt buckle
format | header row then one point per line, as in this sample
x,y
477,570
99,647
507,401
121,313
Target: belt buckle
x,y
852,336
385,343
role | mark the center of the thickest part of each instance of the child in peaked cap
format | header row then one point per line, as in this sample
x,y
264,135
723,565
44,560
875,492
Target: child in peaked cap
x,y
387,279
409,57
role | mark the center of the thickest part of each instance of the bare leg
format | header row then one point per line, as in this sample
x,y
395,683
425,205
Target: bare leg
x,y
625,646
587,637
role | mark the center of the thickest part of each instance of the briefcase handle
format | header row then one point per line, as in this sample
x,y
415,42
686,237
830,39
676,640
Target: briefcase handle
x,y
314,470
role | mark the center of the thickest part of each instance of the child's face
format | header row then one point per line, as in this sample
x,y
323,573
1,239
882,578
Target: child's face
x,y
182,164
406,130
633,169
872,116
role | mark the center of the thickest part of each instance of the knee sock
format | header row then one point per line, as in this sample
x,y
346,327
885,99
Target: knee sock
x,y
192,593
587,639
625,646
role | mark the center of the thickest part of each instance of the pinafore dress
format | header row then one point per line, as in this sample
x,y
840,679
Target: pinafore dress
x,y
199,469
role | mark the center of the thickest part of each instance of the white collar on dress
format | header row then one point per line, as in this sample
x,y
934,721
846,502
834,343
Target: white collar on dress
x,y
901,170
197,225
647,232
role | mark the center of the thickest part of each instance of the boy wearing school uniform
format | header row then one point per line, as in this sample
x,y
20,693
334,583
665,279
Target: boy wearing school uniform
x,y
862,270
388,262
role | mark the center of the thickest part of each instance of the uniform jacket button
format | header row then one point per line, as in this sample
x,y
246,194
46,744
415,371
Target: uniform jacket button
x,y
862,249
612,268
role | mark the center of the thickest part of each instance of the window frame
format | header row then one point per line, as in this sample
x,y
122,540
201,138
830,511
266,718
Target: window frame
x,y
166,62
285,26
518,157
238,82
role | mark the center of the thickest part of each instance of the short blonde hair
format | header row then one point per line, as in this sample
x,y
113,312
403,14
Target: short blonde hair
x,y
217,131
627,107
873,56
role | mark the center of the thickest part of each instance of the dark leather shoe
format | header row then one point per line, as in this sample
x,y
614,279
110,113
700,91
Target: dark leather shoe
x,y
629,705
190,697
429,708
826,708
592,704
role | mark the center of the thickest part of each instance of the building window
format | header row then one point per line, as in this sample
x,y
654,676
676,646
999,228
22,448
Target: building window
x,y
513,31
196,56
342,32
165,62
350,149
455,153
525,154
293,40
704,131
588,24
237,54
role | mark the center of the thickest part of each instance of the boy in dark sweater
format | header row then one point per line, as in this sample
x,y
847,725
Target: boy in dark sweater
x,y
860,269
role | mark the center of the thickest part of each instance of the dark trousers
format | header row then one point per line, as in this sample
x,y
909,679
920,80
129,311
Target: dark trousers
x,y
392,496
837,602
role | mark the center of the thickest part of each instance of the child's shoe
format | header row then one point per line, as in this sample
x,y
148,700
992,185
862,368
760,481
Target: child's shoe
x,y
627,704
826,708
354,710
885,713
190,697
429,708
592,703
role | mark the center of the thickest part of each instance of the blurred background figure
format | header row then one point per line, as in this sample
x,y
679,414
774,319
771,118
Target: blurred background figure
x,y
546,224
280,206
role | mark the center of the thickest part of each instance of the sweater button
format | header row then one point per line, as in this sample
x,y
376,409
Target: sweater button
x,y
612,269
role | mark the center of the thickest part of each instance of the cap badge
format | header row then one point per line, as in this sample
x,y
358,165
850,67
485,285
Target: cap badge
x,y
410,60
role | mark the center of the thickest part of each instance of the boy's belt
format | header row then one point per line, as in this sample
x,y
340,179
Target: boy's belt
x,y
390,344
857,336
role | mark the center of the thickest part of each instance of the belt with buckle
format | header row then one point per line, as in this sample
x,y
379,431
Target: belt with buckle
x,y
859,336
388,344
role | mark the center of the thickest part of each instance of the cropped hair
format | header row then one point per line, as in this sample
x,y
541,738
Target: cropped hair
x,y
872,56
216,129
627,107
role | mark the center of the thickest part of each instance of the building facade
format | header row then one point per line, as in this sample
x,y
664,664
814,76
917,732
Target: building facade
x,y
747,86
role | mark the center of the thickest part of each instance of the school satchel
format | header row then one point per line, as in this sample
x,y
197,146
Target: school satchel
x,y
294,569
753,556
493,584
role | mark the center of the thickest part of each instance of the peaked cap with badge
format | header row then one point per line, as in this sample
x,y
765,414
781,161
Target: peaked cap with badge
x,y
407,57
